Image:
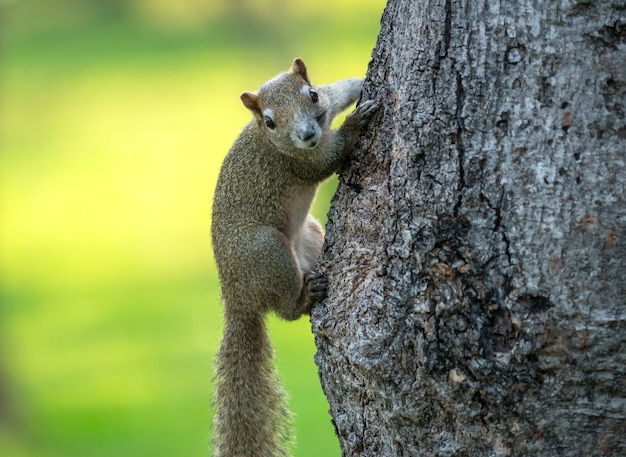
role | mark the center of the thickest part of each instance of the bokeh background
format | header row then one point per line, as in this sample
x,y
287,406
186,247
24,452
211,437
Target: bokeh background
x,y
114,118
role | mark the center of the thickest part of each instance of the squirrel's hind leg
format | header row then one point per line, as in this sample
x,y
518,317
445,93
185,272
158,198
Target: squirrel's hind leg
x,y
274,275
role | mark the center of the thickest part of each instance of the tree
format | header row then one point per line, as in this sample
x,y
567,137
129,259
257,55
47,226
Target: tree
x,y
475,248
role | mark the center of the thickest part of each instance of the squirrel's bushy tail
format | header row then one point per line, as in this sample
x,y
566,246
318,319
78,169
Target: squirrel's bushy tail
x,y
251,416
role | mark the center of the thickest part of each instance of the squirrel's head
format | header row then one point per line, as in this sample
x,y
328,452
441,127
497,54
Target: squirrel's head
x,y
289,110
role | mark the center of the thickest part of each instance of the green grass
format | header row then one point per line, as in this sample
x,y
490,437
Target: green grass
x,y
111,137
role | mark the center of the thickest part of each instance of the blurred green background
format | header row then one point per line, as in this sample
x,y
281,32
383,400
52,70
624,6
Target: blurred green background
x,y
114,118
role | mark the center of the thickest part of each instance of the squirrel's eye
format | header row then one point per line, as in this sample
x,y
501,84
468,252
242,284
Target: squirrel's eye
x,y
270,123
313,95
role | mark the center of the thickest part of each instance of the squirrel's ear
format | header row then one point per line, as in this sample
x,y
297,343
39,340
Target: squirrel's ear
x,y
251,101
298,68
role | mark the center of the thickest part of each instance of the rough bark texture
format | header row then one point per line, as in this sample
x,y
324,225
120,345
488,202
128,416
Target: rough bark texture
x,y
476,245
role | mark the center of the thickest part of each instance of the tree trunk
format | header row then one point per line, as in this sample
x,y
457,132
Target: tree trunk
x,y
476,244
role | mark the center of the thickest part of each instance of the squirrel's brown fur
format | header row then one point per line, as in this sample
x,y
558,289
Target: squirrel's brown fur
x,y
265,243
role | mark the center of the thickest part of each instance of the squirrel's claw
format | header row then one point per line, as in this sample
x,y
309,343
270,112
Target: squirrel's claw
x,y
317,284
364,112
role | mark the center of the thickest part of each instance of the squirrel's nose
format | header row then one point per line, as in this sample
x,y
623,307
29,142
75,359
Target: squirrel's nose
x,y
307,134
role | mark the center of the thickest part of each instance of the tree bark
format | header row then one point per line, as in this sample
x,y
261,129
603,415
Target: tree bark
x,y
475,248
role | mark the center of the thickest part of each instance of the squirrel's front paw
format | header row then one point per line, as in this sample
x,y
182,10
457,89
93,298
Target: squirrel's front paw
x,y
363,112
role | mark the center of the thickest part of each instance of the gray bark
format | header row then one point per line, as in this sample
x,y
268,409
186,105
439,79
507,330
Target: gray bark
x,y
475,248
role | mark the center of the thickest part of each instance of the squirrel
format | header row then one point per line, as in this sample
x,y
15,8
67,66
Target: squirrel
x,y
266,244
